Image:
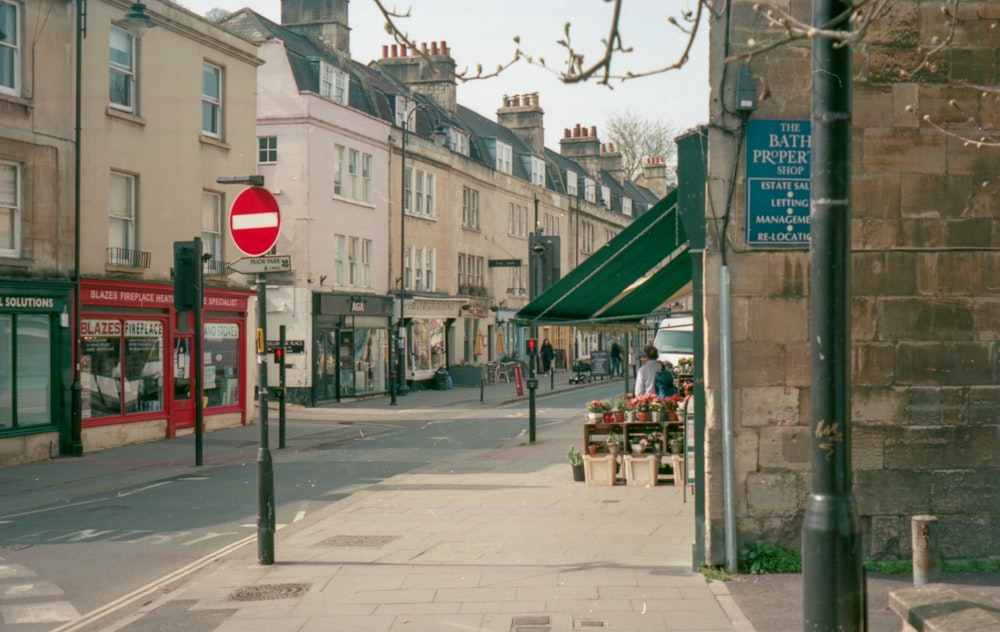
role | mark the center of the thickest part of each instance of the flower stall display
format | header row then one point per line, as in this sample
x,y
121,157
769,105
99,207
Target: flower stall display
x,y
596,409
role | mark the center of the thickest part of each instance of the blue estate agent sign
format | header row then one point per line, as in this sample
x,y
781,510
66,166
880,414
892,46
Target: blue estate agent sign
x,y
779,155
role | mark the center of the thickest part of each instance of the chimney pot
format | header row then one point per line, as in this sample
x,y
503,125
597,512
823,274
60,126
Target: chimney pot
x,y
395,51
566,132
385,51
434,48
443,47
593,131
402,50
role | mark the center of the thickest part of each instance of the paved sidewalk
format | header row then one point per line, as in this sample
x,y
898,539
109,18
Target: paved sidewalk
x,y
505,542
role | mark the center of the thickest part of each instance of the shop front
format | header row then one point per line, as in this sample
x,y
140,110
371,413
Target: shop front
x,y
429,332
136,362
35,352
350,346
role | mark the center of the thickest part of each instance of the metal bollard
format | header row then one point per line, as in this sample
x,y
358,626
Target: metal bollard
x,y
926,552
481,383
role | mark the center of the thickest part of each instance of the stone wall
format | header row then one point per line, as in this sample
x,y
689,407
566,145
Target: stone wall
x,y
925,306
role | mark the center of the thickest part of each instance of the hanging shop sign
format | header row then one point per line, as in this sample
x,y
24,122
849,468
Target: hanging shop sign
x,y
778,177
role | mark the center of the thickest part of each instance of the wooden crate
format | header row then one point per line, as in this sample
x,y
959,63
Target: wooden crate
x,y
641,469
600,469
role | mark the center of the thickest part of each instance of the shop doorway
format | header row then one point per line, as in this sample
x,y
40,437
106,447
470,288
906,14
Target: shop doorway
x,y
182,414
325,382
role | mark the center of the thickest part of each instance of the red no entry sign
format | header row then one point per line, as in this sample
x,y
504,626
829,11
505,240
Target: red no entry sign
x,y
254,221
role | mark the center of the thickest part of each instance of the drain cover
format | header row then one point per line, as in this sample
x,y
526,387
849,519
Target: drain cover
x,y
538,623
266,592
358,540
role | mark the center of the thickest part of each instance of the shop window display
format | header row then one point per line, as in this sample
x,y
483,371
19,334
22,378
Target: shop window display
x,y
221,364
108,346
25,369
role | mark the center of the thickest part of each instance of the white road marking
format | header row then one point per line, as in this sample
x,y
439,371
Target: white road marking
x,y
138,593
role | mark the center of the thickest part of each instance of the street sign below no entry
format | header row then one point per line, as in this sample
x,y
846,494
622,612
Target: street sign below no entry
x,y
254,221
260,265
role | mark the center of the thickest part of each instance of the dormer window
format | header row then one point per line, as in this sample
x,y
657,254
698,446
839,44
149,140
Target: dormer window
x,y
590,190
458,141
505,158
404,113
333,83
571,188
606,197
537,171
627,206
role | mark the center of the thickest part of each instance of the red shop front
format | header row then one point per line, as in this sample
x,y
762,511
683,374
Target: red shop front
x,y
136,362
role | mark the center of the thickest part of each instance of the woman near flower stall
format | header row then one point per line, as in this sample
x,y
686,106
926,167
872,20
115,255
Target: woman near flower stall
x,y
645,377
665,380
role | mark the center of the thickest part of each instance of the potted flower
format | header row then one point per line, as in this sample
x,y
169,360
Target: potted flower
x,y
652,441
642,404
670,405
656,410
576,461
620,408
596,409
675,442
614,442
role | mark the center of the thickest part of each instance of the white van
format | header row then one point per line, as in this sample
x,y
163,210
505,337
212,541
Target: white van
x,y
675,339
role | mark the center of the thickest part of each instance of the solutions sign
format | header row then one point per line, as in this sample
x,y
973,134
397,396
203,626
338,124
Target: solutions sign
x,y
779,154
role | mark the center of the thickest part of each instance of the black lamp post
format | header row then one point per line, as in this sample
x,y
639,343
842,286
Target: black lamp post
x,y
136,22
439,136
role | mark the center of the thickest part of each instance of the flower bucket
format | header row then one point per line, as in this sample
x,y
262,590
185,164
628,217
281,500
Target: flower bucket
x,y
595,417
579,475
657,415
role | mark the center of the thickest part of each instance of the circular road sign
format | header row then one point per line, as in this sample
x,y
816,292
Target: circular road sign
x,y
254,221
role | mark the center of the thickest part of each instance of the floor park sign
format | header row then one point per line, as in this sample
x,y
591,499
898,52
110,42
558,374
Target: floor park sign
x,y
778,159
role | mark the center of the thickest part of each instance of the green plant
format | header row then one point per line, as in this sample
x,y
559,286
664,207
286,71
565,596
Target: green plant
x,y
889,567
675,437
575,456
761,558
614,439
715,573
621,404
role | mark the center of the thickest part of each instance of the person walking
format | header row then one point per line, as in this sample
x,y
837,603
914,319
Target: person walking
x,y
547,355
616,358
645,377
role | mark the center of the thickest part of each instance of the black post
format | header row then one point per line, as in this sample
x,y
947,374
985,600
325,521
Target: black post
x,y
281,389
265,468
198,344
832,572
401,332
76,389
532,383
533,289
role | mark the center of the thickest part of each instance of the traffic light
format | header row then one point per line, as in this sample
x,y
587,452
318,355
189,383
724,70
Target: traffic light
x,y
279,356
532,346
187,275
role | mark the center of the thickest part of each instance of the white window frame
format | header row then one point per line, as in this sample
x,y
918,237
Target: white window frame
x,y
338,170
341,88
461,270
470,208
537,171
571,186
418,267
430,211
211,229
587,236
408,191
431,262
211,104
590,190
10,206
267,150
366,178
353,169
10,51
403,109
125,68
126,218
366,263
339,252
606,196
408,269
627,206
419,192
353,259
505,158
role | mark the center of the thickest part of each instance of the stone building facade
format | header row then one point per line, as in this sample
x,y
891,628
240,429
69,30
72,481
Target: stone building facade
x,y
924,372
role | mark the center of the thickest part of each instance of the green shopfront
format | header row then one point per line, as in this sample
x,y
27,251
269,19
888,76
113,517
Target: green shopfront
x,y
35,370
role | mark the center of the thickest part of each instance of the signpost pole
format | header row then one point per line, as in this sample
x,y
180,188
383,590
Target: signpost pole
x,y
265,468
198,343
281,389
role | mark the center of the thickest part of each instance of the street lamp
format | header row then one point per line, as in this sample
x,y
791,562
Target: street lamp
x,y
136,22
439,136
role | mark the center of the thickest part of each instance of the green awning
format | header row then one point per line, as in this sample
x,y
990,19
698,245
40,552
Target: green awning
x,y
624,281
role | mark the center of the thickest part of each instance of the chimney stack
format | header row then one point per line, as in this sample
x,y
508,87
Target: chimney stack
x,y
435,79
324,22
523,115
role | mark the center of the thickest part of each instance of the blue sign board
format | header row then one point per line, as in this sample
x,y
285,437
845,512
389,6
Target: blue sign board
x,y
778,161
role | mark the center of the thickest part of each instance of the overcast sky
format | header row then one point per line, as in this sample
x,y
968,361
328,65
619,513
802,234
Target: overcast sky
x,y
480,32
